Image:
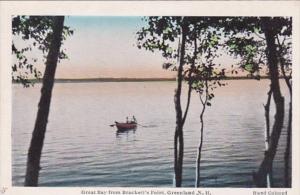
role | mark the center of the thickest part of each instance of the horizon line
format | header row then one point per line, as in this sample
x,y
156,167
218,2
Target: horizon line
x,y
134,79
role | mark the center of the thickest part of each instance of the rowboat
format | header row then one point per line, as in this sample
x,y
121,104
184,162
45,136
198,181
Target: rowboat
x,y
126,126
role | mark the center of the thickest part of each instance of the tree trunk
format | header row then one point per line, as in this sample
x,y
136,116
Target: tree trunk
x,y
37,141
201,132
178,138
287,163
287,158
200,143
287,175
267,163
267,133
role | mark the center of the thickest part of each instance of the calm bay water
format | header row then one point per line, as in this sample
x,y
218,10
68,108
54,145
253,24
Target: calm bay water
x,y
81,149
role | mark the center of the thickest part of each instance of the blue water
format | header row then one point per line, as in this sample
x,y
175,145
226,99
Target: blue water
x,y
81,149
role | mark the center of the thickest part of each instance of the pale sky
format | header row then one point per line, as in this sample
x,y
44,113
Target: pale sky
x,y
105,46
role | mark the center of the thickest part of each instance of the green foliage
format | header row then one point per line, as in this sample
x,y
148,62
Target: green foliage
x,y
250,50
160,34
242,37
245,39
36,33
203,40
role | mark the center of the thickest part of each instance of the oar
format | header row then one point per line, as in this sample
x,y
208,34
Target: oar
x,y
112,125
141,125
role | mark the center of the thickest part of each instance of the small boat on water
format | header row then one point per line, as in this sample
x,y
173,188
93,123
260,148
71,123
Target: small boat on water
x,y
126,126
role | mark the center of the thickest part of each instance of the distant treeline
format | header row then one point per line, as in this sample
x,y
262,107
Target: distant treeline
x,y
133,79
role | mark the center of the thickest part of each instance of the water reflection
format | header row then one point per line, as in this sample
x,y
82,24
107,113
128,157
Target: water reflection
x,y
125,133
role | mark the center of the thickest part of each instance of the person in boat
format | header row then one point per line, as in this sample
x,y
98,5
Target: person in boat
x,y
134,119
127,119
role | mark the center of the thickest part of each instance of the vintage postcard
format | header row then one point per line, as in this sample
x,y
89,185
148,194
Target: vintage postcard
x,y
150,97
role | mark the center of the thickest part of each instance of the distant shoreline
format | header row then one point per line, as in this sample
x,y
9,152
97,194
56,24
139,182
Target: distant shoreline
x,y
87,80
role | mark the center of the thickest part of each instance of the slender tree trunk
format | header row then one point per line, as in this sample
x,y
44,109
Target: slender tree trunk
x,y
190,80
178,137
267,163
267,133
37,141
201,139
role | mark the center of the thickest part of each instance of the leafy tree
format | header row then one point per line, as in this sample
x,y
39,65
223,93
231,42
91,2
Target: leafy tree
x,y
176,38
270,28
284,55
163,34
203,75
47,34
267,25
36,144
205,80
250,48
